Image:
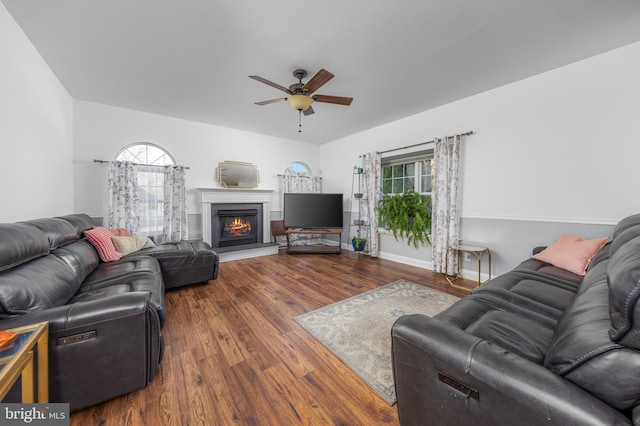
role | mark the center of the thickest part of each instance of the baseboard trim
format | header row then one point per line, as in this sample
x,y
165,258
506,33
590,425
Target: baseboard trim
x,y
424,264
467,274
248,253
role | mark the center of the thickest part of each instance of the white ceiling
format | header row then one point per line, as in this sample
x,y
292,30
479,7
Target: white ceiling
x,y
191,58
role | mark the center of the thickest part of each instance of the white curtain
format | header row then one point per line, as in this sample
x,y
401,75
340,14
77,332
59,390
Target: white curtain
x,y
301,184
147,200
372,168
175,226
150,200
122,196
446,202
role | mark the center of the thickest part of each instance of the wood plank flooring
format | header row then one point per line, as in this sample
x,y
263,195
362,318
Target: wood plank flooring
x,y
234,355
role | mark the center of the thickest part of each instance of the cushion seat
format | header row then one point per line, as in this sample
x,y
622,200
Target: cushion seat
x,y
140,273
183,262
495,318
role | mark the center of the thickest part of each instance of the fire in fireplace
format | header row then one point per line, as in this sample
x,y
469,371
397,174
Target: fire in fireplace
x,y
236,227
236,224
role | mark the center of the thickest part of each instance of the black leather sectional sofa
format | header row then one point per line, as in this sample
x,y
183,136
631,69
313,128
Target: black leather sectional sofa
x,y
536,346
105,318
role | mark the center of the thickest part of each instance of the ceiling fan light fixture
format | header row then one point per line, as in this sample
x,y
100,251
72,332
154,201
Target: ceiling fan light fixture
x,y
300,102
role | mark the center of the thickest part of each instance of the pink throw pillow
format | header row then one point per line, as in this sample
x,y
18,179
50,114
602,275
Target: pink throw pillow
x,y
101,239
120,232
571,253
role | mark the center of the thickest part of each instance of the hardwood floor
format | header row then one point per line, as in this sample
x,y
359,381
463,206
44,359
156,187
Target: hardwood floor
x,y
234,355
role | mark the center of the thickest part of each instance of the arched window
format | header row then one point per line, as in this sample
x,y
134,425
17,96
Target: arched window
x,y
145,153
150,162
297,168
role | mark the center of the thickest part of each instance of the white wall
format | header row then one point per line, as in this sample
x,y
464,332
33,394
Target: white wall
x,y
101,131
556,148
36,132
559,147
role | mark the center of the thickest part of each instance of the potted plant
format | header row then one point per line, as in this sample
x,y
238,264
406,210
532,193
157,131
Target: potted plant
x,y
407,215
358,243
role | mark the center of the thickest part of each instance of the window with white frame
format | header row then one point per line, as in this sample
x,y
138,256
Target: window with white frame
x,y
411,172
405,173
150,160
297,168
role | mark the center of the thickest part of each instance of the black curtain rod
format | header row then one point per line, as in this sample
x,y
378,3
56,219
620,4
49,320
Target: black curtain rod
x,y
135,164
423,143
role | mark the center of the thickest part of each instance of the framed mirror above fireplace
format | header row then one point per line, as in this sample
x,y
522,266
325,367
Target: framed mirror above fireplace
x,y
235,174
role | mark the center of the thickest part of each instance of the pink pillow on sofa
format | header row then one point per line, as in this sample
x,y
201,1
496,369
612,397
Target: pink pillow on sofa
x,y
120,232
571,253
101,239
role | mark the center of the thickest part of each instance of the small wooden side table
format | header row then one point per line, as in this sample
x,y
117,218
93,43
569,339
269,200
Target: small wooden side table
x,y
17,358
477,251
314,248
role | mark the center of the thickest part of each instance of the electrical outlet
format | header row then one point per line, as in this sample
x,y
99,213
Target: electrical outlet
x,y
467,257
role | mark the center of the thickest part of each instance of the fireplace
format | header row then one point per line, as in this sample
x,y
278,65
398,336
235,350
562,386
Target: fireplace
x,y
210,197
234,224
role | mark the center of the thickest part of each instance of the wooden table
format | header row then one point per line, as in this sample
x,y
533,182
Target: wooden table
x,y
17,358
315,248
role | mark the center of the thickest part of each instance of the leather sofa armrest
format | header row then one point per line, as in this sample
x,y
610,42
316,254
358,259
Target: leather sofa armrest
x,y
450,377
72,316
92,342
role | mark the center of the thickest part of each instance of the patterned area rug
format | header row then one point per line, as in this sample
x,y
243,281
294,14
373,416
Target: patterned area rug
x,y
358,330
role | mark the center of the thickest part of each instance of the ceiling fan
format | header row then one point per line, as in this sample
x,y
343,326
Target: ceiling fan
x,y
302,95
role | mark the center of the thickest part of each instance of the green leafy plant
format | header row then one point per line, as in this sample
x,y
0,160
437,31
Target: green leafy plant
x,y
406,215
358,243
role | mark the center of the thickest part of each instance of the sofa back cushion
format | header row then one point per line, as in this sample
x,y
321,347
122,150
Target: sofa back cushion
x,y
59,232
623,237
624,289
80,221
626,223
39,284
80,257
582,352
20,243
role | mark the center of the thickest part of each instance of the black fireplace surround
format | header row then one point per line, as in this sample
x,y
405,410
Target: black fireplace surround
x,y
236,224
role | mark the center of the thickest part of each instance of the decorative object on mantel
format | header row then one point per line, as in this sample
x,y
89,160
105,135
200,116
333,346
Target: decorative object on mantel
x,y
235,174
407,215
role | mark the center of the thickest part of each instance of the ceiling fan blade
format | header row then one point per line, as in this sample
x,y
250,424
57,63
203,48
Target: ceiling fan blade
x,y
270,101
271,83
308,111
317,81
340,100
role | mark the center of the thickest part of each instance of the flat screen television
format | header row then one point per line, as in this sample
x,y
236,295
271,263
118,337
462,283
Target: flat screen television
x,y
313,211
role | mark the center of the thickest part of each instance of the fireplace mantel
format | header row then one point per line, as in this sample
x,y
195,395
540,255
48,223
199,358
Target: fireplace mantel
x,y
236,195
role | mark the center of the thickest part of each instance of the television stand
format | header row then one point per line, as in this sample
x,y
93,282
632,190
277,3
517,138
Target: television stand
x,y
316,248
